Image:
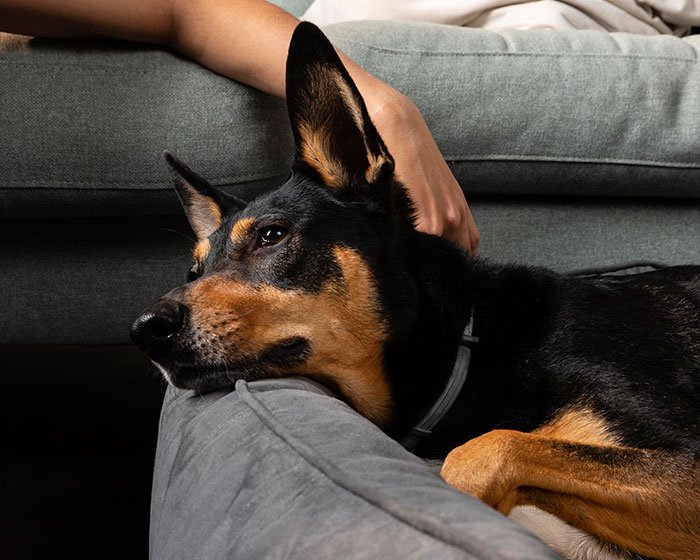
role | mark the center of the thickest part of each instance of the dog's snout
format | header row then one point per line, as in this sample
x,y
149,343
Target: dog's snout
x,y
157,327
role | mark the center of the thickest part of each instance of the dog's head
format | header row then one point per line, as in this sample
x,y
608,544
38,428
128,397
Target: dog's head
x,y
308,279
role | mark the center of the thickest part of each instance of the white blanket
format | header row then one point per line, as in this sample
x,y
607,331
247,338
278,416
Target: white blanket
x,y
647,17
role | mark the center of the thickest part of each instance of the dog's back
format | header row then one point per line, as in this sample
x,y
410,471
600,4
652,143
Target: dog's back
x,y
636,341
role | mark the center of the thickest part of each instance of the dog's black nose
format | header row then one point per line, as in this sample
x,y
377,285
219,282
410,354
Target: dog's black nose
x,y
157,327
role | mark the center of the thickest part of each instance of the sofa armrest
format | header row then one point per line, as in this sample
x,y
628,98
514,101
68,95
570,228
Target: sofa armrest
x,y
279,469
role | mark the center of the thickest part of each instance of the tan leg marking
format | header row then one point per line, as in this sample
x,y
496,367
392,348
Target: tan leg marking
x,y
578,426
640,500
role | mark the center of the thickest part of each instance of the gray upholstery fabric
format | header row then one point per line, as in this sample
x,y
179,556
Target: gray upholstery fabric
x,y
85,281
83,124
527,112
568,234
296,7
278,469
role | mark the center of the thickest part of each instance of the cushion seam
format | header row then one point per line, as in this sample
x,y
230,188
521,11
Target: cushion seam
x,y
105,68
573,160
517,54
162,184
156,182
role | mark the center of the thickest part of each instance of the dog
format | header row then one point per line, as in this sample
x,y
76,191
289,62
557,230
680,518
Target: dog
x,y
581,403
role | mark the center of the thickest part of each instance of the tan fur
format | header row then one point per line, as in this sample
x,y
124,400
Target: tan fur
x,y
375,165
578,426
349,100
315,137
315,151
375,161
205,215
640,500
241,229
201,250
342,322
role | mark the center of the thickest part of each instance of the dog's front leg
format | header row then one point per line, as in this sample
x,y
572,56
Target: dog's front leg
x,y
644,501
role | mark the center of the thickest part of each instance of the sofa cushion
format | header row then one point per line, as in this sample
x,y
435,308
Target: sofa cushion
x,y
83,124
546,112
279,469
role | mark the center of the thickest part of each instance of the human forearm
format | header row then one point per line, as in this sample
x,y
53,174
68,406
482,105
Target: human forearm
x,y
134,20
245,40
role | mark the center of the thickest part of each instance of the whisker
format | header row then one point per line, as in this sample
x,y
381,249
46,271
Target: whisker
x,y
245,313
359,340
171,230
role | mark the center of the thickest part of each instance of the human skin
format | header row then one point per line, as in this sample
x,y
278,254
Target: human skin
x,y
247,40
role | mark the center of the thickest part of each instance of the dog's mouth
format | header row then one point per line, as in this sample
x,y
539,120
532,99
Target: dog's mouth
x,y
186,371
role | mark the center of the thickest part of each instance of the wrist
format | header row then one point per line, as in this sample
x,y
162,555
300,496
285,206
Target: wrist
x,y
398,123
380,98
387,108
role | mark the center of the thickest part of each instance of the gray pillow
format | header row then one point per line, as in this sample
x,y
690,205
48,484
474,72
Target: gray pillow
x,y
279,469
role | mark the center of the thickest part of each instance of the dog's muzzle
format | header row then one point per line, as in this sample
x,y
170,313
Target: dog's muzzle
x,y
156,329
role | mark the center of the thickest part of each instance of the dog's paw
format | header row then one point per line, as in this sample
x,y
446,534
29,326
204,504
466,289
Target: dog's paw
x,y
483,467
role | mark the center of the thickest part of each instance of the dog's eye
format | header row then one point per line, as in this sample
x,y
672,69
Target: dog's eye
x,y
271,235
193,273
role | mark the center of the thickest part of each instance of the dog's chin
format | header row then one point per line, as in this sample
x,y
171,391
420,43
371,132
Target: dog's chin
x,y
204,377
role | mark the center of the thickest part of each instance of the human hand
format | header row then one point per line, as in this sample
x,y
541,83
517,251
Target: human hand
x,y
439,200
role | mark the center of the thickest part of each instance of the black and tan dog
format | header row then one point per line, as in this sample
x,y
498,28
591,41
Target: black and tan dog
x,y
582,399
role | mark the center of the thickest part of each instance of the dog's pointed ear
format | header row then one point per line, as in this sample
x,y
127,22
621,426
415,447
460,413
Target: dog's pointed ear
x,y
204,205
334,135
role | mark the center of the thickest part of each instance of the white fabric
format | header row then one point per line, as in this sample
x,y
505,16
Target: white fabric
x,y
646,17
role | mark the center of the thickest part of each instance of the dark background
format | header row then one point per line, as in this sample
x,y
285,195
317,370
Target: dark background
x,y
78,427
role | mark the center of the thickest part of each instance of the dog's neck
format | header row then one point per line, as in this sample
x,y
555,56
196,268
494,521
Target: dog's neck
x,y
452,287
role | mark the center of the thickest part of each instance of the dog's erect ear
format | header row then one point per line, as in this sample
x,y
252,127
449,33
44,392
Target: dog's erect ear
x,y
333,132
204,205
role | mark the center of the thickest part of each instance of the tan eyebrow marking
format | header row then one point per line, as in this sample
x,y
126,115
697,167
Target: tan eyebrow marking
x,y
241,228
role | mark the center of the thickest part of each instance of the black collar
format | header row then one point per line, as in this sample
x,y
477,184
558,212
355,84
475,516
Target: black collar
x,y
424,428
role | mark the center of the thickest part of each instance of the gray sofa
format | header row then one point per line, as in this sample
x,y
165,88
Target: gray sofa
x,y
575,150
